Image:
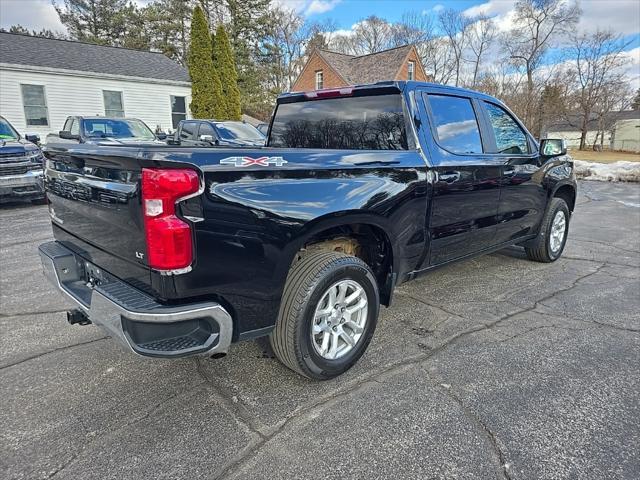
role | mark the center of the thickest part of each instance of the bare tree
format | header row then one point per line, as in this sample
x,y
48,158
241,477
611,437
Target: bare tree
x,y
482,32
371,35
598,58
537,26
438,59
284,47
414,28
436,55
615,96
455,27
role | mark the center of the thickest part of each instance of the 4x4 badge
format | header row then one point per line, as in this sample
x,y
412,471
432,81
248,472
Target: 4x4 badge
x,y
249,161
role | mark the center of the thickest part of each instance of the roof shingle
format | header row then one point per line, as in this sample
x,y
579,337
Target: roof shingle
x,y
369,68
69,55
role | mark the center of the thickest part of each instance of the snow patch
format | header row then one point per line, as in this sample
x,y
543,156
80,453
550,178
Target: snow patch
x,y
607,172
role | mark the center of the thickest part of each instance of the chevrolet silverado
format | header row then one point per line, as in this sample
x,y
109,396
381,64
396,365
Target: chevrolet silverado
x,y
180,251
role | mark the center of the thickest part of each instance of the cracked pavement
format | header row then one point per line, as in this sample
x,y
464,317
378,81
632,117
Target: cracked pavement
x,y
496,367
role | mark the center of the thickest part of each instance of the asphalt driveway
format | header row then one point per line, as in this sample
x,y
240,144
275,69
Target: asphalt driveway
x,y
493,368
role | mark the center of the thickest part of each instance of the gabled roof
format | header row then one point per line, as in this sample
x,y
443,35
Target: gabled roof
x,y
86,57
370,68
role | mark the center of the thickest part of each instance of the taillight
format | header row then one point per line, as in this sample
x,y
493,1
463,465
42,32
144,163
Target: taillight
x,y
168,237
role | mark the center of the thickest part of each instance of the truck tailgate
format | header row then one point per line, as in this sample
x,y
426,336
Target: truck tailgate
x,y
94,202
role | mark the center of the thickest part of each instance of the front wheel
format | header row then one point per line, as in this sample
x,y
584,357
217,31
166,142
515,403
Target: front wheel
x,y
549,244
328,315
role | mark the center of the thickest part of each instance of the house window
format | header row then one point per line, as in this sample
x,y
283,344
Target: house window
x,y
35,105
319,80
113,104
411,69
178,110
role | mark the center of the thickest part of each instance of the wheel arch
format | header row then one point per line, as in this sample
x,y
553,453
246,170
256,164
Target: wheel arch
x,y
567,192
337,232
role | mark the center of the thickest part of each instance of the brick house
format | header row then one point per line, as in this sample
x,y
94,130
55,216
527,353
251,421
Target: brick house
x,y
326,69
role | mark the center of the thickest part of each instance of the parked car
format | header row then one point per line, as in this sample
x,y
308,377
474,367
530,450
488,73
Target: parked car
x,y
104,130
21,165
181,251
206,133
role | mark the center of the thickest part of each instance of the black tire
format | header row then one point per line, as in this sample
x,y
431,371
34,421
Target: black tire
x,y
539,250
307,282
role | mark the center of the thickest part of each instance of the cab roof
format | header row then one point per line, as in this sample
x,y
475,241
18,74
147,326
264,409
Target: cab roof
x,y
379,88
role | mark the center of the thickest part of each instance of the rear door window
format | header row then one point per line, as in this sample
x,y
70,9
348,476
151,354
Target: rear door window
x,y
510,138
456,124
349,123
206,129
188,131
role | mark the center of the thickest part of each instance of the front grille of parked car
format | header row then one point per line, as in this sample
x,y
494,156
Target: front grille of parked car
x,y
19,168
4,155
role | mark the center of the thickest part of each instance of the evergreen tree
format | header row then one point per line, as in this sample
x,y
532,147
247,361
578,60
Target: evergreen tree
x,y
105,22
221,108
213,49
44,32
167,27
226,66
206,90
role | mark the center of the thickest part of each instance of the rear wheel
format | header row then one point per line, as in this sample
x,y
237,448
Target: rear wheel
x,y
549,244
328,315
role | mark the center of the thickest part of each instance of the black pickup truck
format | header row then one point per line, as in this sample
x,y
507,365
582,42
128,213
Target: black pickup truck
x,y
208,133
181,251
21,165
104,130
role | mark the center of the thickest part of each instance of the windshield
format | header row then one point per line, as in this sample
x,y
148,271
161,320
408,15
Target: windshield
x,y
238,130
6,131
106,127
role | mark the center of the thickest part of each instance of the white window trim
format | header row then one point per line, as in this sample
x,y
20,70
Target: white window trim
x,y
46,104
411,70
104,103
319,79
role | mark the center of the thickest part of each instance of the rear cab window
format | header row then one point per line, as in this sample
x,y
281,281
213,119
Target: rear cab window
x,y
375,122
456,124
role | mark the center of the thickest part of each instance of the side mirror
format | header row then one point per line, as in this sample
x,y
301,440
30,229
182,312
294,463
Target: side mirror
x,y
552,147
67,135
32,138
206,138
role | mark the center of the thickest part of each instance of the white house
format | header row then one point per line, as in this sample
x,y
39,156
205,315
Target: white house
x,y
622,130
42,81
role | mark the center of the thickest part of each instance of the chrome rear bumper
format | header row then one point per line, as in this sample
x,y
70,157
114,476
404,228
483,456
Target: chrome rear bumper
x,y
131,316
